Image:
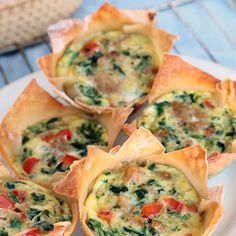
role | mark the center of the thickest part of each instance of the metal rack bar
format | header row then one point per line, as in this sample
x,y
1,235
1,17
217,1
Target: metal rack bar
x,y
232,4
4,75
22,51
218,24
173,8
165,6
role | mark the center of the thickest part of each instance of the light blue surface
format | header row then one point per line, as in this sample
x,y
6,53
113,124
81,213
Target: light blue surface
x,y
207,29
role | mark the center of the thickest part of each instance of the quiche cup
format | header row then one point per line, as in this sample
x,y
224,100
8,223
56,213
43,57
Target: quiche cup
x,y
189,106
40,137
138,189
29,209
108,60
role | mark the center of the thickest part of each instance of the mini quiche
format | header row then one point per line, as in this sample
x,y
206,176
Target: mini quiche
x,y
28,209
40,138
138,190
188,106
109,60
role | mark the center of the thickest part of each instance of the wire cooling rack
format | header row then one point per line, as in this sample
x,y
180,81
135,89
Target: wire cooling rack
x,y
207,29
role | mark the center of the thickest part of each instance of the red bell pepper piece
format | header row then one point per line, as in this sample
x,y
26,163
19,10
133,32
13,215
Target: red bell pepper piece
x,y
29,164
208,104
105,215
191,208
63,134
150,209
32,232
6,202
23,216
90,48
68,159
174,205
19,194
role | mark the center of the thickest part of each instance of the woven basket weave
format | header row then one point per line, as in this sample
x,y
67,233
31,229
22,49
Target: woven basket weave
x,y
24,21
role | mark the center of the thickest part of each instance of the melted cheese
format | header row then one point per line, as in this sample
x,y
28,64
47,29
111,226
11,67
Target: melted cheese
x,y
117,71
29,206
51,140
180,119
119,202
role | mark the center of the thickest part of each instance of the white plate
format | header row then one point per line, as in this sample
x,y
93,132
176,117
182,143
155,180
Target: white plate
x,y
227,227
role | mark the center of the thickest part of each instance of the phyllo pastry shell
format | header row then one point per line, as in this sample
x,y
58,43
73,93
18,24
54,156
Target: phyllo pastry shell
x,y
189,106
108,60
137,189
28,209
40,137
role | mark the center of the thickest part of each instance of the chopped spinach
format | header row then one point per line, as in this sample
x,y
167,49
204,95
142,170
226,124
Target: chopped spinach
x,y
160,189
147,230
45,226
184,217
52,120
144,63
118,68
221,146
162,124
32,213
90,63
71,55
151,182
10,185
141,193
96,227
52,161
174,192
61,202
35,129
25,139
176,228
38,197
133,231
94,58
3,233
48,171
91,131
15,223
118,189
197,136
13,197
91,93
48,123
152,167
61,167
231,133
161,106
81,148
25,153
188,97
125,53
87,67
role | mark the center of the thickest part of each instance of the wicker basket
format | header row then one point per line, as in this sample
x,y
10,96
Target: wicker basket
x,y
24,21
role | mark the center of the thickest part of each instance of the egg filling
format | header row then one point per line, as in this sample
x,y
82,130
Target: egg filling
x,y
145,199
182,118
52,145
112,68
25,206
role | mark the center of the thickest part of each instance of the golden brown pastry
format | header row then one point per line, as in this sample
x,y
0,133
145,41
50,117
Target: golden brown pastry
x,y
137,189
189,106
28,209
108,60
40,138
